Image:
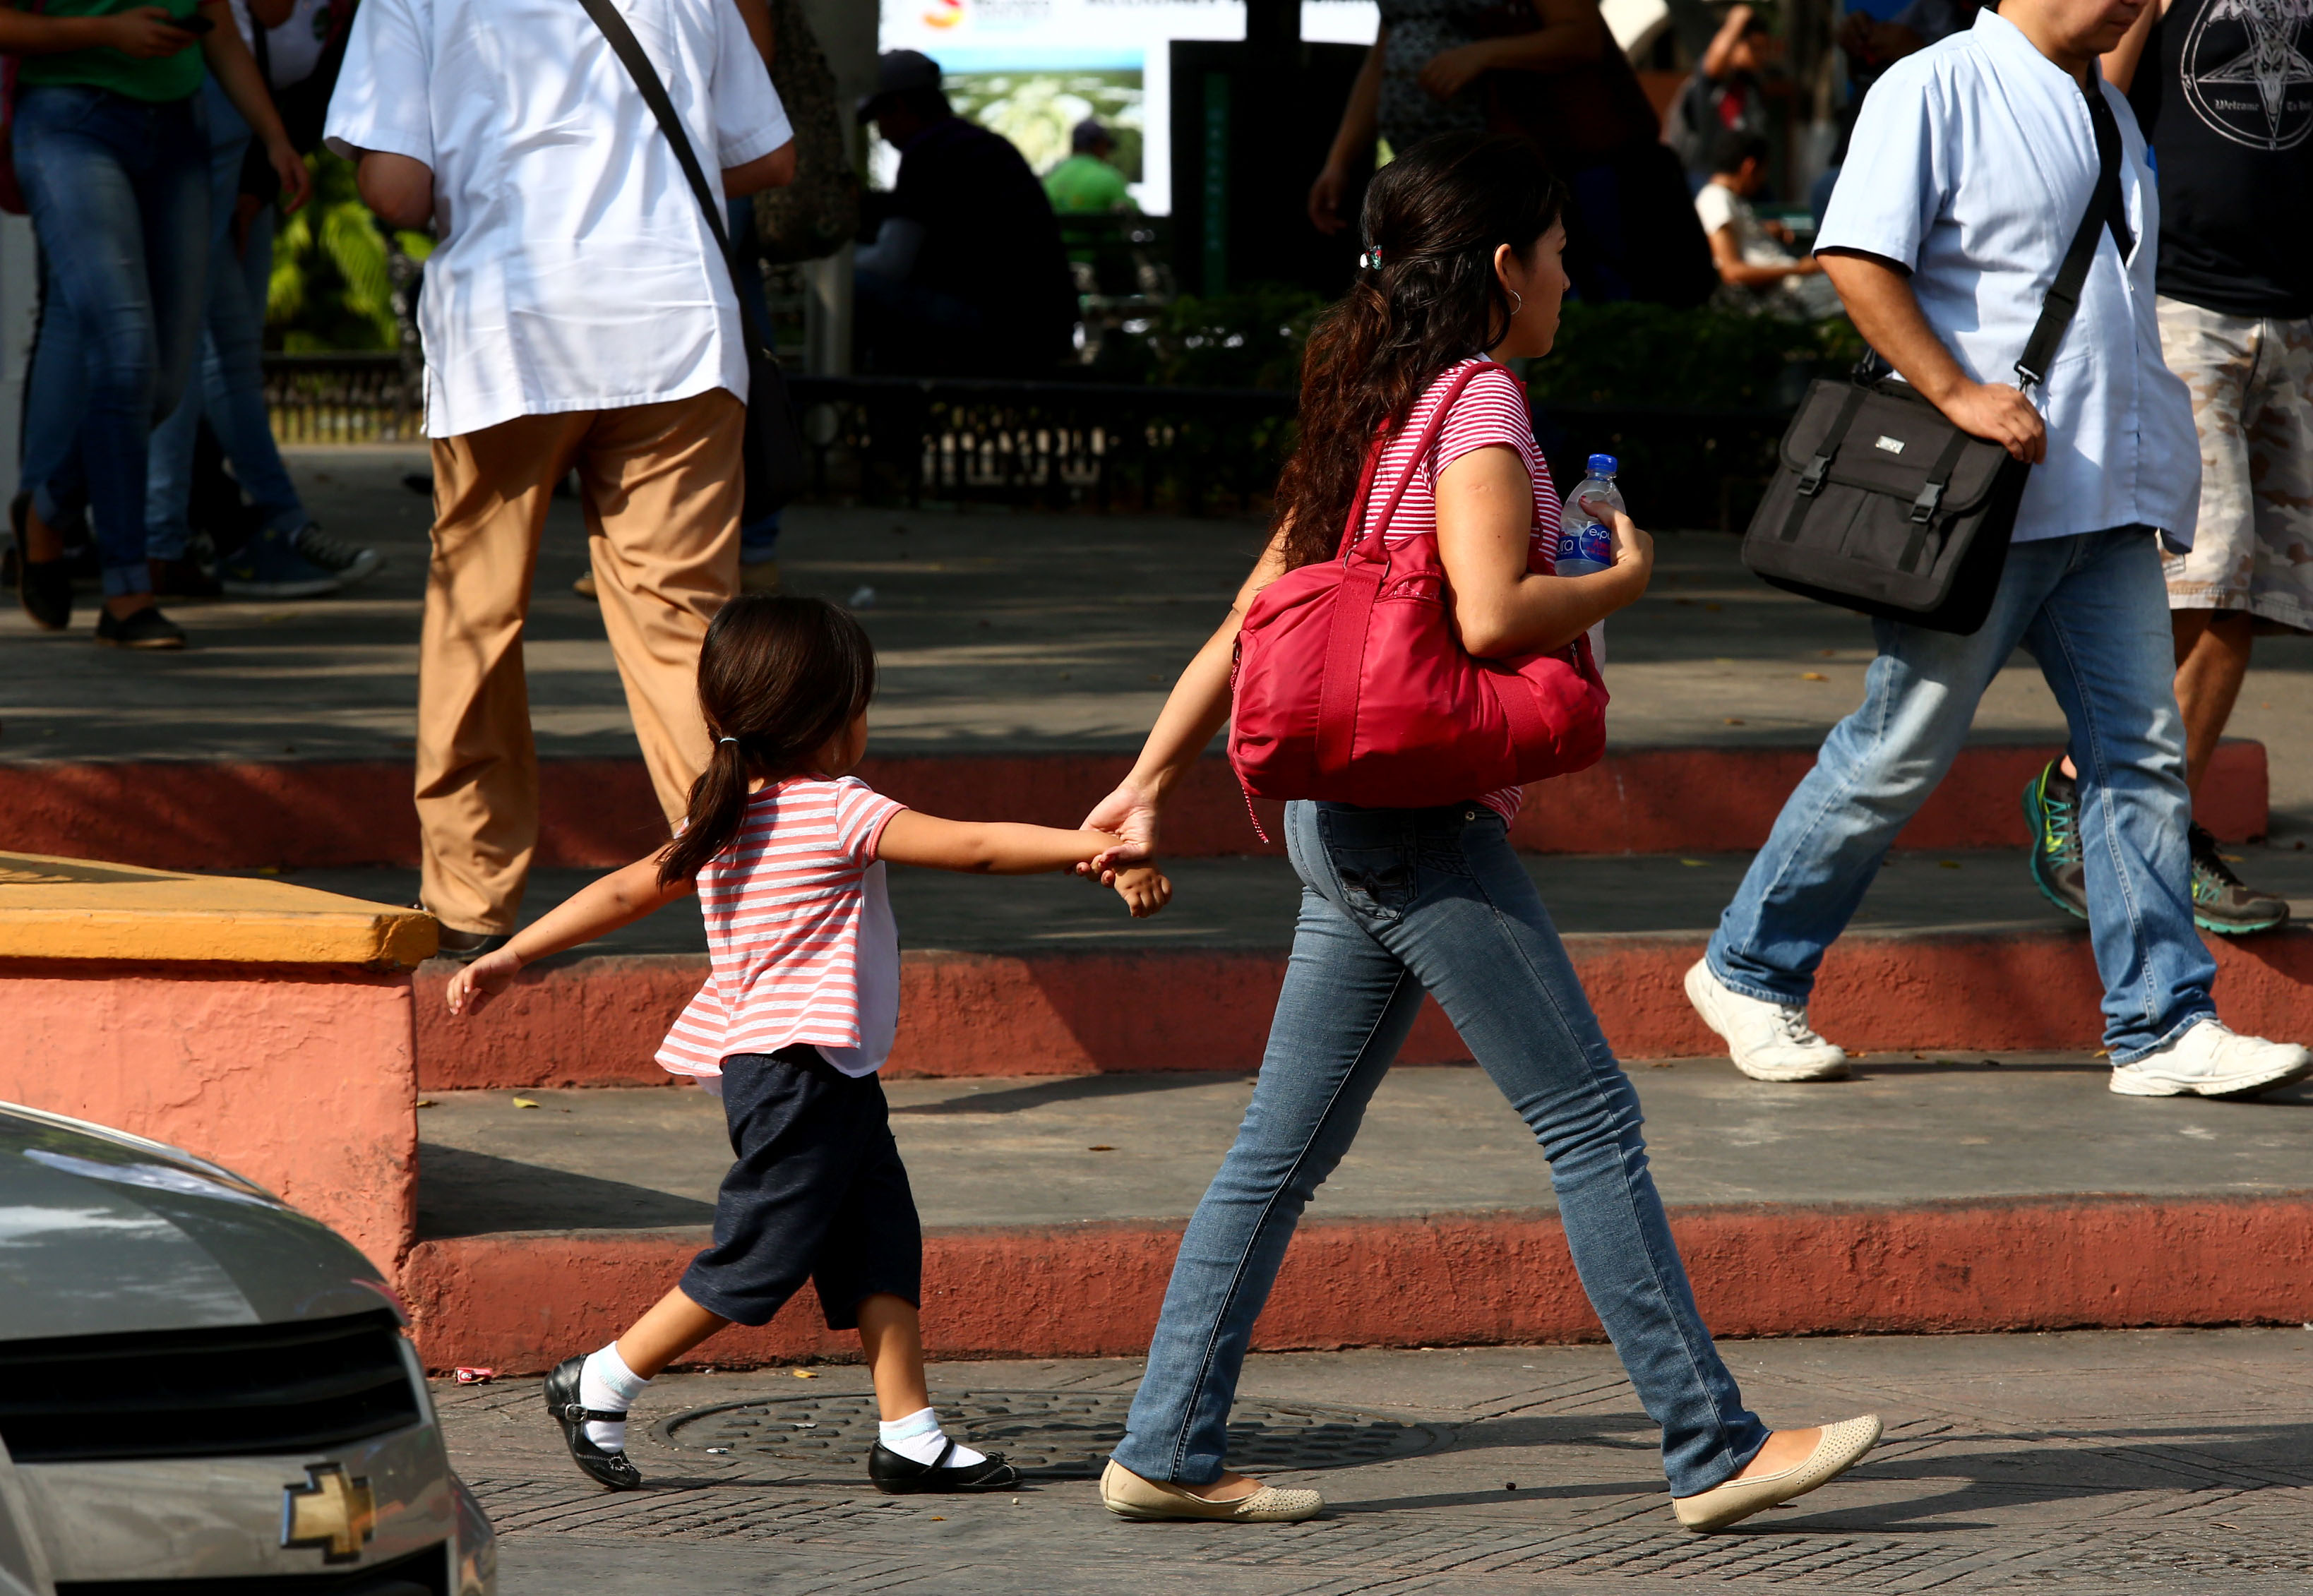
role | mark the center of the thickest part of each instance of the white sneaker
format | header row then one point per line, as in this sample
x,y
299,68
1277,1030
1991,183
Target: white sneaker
x,y
2211,1061
1769,1041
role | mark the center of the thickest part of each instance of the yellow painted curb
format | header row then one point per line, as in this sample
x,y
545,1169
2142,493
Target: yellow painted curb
x,y
80,909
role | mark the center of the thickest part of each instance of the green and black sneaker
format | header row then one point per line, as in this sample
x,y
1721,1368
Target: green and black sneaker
x,y
2221,902
2052,808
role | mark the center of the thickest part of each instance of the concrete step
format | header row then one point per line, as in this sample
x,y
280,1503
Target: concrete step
x,y
293,814
1047,975
1939,1192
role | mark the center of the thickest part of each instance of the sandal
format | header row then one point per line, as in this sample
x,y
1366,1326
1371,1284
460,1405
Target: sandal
x,y
614,1469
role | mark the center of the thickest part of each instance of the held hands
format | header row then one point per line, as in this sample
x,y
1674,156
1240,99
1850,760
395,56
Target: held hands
x,y
1144,889
471,988
2000,413
1129,814
148,33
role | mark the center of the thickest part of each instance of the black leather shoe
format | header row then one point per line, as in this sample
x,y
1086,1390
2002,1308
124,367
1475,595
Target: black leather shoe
x,y
896,1475
614,1469
44,587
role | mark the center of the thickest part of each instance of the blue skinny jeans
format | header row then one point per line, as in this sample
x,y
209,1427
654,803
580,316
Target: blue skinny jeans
x,y
2094,611
1394,903
118,192
231,389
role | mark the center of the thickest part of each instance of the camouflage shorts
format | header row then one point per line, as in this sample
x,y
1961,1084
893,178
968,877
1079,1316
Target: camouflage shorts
x,y
2252,383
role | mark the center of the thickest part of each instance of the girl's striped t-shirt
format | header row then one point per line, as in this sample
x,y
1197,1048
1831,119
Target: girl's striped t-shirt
x,y
1490,412
799,933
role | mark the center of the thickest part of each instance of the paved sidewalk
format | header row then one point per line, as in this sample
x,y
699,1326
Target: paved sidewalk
x,y
2159,1463
1906,1132
998,632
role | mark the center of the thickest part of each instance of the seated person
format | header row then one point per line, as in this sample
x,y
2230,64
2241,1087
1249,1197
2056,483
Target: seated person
x,y
1086,184
966,276
1756,269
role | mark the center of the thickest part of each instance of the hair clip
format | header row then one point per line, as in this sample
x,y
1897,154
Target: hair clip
x,y
1370,260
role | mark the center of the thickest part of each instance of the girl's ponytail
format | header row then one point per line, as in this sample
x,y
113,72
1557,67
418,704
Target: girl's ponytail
x,y
779,677
718,808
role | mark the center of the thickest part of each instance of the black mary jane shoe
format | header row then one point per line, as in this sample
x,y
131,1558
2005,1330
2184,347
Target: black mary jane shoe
x,y
613,1469
896,1475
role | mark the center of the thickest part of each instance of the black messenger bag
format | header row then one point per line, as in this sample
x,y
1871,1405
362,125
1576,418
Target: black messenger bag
x,y
1880,504
776,466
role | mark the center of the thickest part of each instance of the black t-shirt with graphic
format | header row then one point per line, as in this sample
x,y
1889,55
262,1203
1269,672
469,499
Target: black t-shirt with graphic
x,y
2225,96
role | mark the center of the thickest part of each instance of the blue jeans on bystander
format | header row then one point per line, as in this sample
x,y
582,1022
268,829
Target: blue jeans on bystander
x,y
118,192
2093,610
1394,903
231,389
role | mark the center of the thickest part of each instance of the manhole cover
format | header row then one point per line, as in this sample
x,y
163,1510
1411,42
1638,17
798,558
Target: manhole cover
x,y
1045,1434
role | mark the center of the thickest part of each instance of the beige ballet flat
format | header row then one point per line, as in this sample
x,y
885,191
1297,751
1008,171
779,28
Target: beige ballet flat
x,y
1128,1496
1842,1447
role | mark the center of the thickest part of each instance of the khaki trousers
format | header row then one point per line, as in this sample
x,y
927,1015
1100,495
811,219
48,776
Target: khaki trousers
x,y
661,484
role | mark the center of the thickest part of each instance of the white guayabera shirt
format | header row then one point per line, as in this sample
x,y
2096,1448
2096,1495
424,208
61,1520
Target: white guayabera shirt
x,y
1972,163
575,270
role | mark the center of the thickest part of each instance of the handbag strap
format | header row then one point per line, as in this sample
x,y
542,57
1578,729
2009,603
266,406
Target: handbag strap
x,y
1360,587
2104,209
1354,537
629,52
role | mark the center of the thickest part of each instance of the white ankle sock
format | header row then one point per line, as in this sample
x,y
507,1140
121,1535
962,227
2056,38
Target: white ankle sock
x,y
920,1439
607,1385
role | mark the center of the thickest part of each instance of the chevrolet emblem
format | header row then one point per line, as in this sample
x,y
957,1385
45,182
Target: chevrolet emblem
x,y
329,1511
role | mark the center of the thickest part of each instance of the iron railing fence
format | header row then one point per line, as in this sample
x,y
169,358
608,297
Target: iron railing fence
x,y
1093,445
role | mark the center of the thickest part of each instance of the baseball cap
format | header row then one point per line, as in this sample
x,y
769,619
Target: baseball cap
x,y
897,72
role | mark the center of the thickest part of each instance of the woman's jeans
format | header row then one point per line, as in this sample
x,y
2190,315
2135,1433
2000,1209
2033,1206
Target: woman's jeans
x,y
1394,903
2094,610
231,391
118,192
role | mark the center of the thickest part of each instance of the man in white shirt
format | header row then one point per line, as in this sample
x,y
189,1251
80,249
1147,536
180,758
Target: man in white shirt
x,y
1757,273
1973,163
576,315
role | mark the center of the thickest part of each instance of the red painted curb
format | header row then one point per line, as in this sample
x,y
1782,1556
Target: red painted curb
x,y
598,1021
519,1303
600,812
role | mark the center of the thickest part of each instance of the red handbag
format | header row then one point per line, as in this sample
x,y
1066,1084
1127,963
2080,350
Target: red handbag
x,y
1351,683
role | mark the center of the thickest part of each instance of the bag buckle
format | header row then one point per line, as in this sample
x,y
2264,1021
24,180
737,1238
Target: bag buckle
x,y
1924,506
1811,480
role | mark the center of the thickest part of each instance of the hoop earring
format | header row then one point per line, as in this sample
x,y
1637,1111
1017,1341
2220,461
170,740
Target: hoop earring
x,y
1520,305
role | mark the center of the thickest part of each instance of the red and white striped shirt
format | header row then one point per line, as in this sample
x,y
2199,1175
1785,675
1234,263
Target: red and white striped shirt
x,y
1491,411
799,933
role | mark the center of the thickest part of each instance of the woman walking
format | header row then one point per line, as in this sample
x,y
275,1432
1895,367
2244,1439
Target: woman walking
x,y
1464,261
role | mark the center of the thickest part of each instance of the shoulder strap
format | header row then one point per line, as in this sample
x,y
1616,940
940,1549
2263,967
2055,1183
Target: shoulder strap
x,y
1428,437
2063,301
629,52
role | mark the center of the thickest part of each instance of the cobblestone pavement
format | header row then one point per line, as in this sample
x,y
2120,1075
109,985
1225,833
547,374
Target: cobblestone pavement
x,y
2143,1461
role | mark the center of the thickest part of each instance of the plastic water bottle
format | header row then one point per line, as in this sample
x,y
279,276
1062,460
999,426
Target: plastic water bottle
x,y
1586,543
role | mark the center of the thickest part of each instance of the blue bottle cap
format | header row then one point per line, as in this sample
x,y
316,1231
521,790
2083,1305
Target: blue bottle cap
x,y
1604,465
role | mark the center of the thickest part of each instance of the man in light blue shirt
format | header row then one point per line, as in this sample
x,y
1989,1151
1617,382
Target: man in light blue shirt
x,y
1972,163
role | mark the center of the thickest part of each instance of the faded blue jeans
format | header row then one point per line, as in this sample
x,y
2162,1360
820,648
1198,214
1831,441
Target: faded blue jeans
x,y
1396,903
118,192
2093,610
230,389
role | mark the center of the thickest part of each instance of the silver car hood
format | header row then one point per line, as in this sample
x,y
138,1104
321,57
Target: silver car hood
x,y
104,1233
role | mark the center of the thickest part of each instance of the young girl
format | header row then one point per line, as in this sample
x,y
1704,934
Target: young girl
x,y
787,850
